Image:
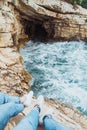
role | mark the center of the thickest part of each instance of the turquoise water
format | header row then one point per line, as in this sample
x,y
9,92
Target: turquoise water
x,y
59,71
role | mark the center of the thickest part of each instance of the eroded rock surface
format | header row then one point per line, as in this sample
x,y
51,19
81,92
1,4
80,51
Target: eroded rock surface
x,y
66,22
62,113
61,20
13,78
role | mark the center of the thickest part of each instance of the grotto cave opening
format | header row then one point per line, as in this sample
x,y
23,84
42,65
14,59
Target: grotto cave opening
x,y
37,32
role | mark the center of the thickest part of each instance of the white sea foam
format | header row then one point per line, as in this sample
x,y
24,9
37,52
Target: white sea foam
x,y
59,70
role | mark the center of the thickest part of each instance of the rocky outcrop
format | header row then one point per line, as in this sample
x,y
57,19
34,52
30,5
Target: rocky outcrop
x,y
53,20
66,22
62,113
13,78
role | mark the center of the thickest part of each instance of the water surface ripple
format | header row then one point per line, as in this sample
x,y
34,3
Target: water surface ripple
x,y
59,71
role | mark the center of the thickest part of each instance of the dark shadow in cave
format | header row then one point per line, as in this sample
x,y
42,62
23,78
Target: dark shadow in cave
x,y
40,33
37,32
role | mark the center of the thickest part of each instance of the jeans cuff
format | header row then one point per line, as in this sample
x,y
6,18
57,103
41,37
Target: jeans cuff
x,y
47,116
37,107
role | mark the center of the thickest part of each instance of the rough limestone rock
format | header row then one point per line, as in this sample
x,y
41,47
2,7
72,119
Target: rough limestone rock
x,y
62,113
66,21
61,20
13,78
6,27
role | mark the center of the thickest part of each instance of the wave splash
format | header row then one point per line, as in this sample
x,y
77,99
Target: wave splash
x,y
59,71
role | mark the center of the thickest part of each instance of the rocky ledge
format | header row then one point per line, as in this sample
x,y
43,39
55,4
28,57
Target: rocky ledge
x,y
19,21
52,20
13,78
62,113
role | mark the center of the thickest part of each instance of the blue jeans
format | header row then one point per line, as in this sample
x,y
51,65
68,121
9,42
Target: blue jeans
x,y
51,124
30,122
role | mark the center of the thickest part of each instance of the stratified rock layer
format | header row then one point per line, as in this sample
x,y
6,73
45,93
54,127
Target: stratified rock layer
x,y
13,78
66,23
61,20
62,113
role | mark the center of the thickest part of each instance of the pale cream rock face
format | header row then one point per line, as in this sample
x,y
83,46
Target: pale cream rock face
x,y
13,78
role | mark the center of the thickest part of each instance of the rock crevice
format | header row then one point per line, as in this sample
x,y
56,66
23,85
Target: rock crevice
x,y
13,77
59,19
20,21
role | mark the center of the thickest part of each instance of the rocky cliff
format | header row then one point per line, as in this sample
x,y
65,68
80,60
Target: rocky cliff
x,y
53,20
20,21
66,21
13,78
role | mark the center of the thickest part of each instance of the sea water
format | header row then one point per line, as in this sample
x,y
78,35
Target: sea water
x,y
59,71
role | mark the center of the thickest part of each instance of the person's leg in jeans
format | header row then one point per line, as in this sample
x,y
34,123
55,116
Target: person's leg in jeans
x,y
51,124
30,122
